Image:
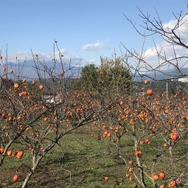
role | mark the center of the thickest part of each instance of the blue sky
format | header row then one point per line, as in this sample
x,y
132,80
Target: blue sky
x,y
85,29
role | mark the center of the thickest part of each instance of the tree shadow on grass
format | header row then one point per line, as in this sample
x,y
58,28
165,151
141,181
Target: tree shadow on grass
x,y
70,170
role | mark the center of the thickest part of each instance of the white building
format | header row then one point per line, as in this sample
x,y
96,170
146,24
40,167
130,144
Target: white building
x,y
183,79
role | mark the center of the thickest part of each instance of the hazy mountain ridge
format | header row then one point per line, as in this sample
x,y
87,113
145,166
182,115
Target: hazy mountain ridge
x,y
29,69
168,74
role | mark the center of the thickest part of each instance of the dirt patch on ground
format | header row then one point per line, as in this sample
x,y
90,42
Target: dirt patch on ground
x,y
45,176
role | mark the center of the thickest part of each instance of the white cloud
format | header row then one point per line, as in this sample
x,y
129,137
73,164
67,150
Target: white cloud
x,y
94,46
46,56
167,49
20,55
181,28
26,55
151,52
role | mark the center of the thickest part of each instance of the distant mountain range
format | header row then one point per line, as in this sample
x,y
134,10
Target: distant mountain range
x,y
170,74
30,70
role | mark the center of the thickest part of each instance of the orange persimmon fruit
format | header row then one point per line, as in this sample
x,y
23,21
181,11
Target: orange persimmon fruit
x,y
149,92
162,175
19,154
16,86
15,178
106,178
9,152
41,87
146,81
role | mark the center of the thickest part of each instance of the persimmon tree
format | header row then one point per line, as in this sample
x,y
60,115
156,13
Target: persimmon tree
x,y
170,54
155,127
33,123
155,122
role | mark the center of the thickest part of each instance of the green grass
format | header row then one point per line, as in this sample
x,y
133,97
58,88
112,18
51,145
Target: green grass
x,y
81,161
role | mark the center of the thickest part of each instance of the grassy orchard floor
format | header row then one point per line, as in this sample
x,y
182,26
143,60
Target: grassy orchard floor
x,y
83,161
